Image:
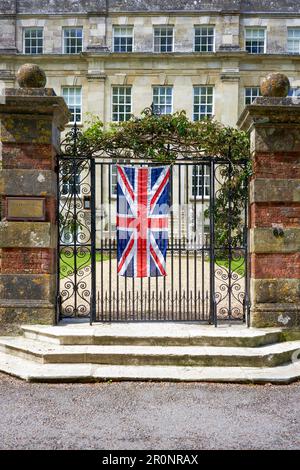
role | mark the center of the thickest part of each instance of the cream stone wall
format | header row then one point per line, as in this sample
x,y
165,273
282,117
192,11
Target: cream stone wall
x,y
229,70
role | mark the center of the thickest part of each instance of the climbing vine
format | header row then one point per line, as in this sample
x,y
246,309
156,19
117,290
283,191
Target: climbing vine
x,y
169,138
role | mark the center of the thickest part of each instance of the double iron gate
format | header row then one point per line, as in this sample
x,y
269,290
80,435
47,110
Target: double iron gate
x,y
205,281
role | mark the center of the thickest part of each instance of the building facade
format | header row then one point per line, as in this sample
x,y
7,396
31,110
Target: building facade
x,y
114,58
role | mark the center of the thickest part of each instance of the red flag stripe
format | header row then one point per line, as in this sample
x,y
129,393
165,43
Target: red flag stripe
x,y
142,217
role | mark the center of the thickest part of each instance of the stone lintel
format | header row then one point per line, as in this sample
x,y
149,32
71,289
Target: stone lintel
x,y
27,235
263,240
27,183
270,111
274,190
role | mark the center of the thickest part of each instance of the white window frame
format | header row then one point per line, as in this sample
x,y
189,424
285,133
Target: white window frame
x,y
214,36
69,186
119,87
253,28
40,28
68,28
160,105
206,182
293,39
72,121
212,104
156,27
252,95
114,36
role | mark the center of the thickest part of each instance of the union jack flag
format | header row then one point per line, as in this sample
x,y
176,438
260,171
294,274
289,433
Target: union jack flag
x,y
142,220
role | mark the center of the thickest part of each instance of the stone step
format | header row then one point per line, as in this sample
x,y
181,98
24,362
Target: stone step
x,y
153,334
35,372
209,356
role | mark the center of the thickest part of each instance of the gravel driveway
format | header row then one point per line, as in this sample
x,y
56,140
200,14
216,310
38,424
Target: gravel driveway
x,y
148,416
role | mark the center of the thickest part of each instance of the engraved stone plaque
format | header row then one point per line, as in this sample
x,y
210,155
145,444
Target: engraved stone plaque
x,y
25,209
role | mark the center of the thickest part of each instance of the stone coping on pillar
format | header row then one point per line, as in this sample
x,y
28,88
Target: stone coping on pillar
x,y
35,101
270,110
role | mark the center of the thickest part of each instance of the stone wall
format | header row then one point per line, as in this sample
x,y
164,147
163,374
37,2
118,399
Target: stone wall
x,y
31,120
274,125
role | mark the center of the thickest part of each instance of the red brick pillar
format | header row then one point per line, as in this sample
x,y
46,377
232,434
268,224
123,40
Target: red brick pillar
x,y
31,121
274,127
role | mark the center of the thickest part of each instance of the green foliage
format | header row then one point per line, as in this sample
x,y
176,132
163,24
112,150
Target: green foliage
x,y
164,138
83,259
167,138
230,204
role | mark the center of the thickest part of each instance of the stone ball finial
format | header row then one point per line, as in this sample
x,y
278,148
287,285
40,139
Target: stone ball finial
x,y
31,76
275,85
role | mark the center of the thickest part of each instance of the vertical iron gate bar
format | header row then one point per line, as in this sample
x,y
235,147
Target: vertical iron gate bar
x,y
229,244
74,229
93,240
203,246
213,313
179,240
58,195
195,247
101,241
187,241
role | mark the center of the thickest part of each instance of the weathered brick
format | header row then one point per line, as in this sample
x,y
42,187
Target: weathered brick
x,y
275,265
28,156
276,165
266,215
28,261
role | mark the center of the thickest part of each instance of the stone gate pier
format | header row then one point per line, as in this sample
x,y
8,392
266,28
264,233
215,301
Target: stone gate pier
x,y
273,122
31,118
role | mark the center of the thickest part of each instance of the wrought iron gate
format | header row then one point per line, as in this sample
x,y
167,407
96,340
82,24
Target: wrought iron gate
x,y
206,280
